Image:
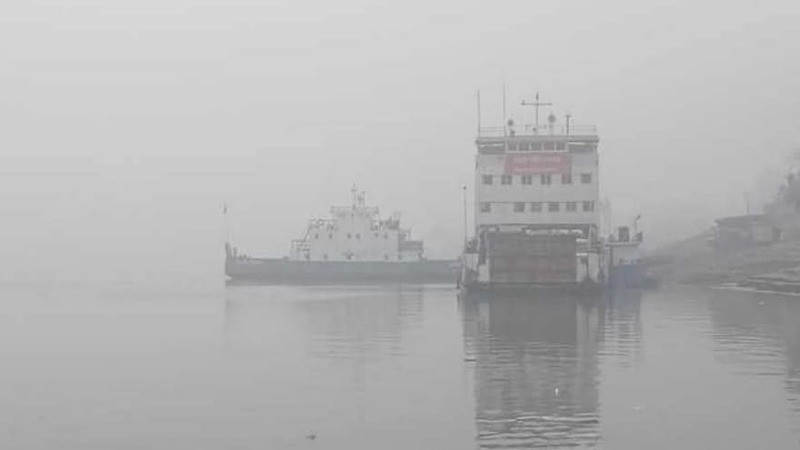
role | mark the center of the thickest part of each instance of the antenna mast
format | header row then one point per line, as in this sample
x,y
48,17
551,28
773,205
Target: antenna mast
x,y
536,104
464,195
479,112
505,133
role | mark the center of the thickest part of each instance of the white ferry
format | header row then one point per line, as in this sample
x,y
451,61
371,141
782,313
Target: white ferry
x,y
353,245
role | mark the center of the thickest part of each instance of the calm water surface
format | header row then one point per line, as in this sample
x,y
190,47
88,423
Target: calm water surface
x,y
132,367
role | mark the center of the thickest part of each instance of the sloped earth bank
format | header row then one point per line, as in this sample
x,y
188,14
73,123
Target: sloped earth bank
x,y
774,267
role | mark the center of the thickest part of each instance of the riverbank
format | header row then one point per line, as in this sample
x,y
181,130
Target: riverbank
x,y
695,261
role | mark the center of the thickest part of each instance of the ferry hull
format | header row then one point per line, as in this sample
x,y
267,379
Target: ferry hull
x,y
626,276
292,272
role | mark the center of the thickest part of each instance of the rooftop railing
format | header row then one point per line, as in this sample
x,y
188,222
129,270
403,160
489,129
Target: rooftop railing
x,y
529,131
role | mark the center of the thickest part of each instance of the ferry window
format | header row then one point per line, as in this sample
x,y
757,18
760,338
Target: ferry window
x,y
536,146
553,206
588,206
486,207
386,257
549,145
330,235
385,236
560,146
524,147
376,234
358,235
325,257
527,179
349,236
586,178
487,179
400,256
505,179
566,178
572,206
536,207
316,236
547,179
519,207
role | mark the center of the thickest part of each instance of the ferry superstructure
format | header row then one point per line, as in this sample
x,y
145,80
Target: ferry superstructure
x,y
537,221
353,245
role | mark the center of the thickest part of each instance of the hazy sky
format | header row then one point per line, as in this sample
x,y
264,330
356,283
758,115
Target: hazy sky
x,y
125,124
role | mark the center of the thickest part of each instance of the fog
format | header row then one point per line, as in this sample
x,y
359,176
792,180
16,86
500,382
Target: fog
x,y
126,125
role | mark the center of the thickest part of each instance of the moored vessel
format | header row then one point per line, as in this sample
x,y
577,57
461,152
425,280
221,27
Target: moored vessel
x,y
623,255
536,208
353,245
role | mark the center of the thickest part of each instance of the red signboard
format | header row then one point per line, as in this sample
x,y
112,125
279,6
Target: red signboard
x,y
538,163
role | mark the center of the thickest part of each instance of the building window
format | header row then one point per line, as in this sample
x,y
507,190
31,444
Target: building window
x,y
385,257
549,145
572,206
524,147
588,206
505,179
316,236
487,179
586,178
330,235
536,146
536,207
399,256
385,236
560,145
566,178
486,207
547,179
527,179
325,256
519,207
553,206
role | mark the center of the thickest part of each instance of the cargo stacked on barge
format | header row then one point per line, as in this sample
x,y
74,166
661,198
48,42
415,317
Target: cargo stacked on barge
x,y
536,207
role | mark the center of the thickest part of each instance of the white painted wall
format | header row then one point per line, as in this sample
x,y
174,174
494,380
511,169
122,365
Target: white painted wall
x,y
623,253
355,233
502,197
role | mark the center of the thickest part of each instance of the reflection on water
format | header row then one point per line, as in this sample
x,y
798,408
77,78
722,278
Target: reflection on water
x,y
759,335
536,370
125,367
339,322
364,367
622,327
371,322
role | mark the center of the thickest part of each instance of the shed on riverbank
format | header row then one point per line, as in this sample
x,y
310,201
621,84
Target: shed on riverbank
x,y
744,231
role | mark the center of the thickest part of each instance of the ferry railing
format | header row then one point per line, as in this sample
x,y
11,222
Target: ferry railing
x,y
542,130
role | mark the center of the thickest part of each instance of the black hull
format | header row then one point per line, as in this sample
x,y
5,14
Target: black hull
x,y
288,272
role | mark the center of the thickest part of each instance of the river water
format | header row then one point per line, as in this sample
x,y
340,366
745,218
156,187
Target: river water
x,y
133,367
